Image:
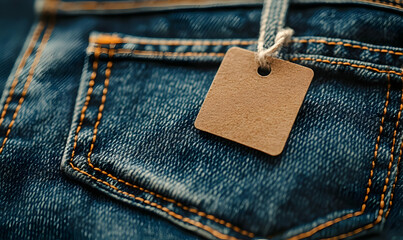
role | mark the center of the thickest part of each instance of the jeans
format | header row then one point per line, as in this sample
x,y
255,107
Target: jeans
x,y
97,112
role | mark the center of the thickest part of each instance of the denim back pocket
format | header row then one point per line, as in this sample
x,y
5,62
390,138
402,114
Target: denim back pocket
x,y
133,138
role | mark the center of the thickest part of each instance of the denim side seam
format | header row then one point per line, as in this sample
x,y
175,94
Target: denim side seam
x,y
34,40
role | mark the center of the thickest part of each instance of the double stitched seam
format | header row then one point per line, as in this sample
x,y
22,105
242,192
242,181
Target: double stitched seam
x,y
385,187
346,64
396,177
28,52
31,72
99,116
171,54
171,213
348,45
183,42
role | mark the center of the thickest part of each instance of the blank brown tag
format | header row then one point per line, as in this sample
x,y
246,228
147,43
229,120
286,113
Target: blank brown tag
x,y
254,110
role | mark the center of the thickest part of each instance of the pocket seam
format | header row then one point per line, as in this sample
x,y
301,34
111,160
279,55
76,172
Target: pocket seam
x,y
160,53
346,64
112,38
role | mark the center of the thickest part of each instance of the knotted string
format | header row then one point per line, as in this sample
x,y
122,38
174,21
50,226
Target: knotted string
x,y
264,56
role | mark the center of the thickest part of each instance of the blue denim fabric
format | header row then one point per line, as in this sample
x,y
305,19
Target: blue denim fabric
x,y
102,144
12,38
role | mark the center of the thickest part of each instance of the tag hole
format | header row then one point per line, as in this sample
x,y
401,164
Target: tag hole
x,y
263,71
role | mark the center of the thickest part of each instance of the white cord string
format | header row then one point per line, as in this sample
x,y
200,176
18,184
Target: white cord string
x,y
264,55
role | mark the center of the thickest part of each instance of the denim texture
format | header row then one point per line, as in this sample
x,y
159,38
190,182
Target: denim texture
x,y
102,145
12,39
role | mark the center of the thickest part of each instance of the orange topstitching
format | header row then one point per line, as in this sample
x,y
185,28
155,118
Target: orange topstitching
x,y
31,46
38,54
392,1
158,53
348,45
383,3
114,39
171,213
346,64
35,37
394,182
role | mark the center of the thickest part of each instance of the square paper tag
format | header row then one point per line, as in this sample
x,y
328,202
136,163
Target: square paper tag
x,y
251,109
